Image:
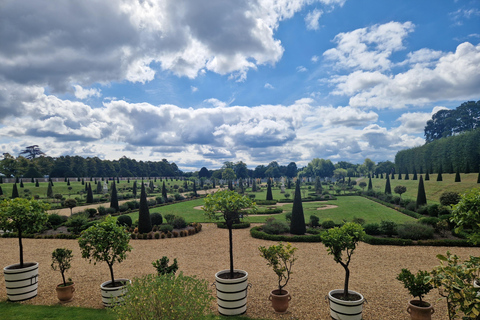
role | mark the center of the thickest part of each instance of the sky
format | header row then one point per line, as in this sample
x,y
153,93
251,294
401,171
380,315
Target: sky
x,y
201,82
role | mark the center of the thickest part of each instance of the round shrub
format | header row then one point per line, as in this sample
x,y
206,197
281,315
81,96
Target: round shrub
x,y
388,228
55,220
156,219
423,210
159,200
372,229
165,228
178,197
449,198
314,221
124,220
415,231
429,221
110,210
157,235
123,208
102,210
411,206
273,226
442,210
328,224
179,223
433,210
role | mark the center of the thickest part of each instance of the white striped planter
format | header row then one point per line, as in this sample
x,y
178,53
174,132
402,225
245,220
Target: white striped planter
x,y
345,310
21,284
112,296
231,294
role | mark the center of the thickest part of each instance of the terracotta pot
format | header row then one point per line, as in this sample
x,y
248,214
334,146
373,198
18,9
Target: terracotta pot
x,y
65,293
280,301
419,312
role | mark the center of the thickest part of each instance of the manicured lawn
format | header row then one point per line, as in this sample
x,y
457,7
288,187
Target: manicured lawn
x,y
433,188
17,311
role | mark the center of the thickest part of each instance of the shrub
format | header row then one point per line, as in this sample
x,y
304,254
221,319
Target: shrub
x,y
156,219
55,220
162,236
388,228
77,223
166,297
102,210
433,210
449,198
314,221
123,208
132,205
175,234
110,210
372,229
273,226
411,206
288,217
179,223
359,221
415,231
124,220
169,217
165,228
159,200
178,197
429,221
328,224
91,212
442,210
163,268
423,210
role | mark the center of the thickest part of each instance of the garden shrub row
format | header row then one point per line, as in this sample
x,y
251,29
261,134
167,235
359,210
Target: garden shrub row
x,y
257,232
410,213
241,225
407,242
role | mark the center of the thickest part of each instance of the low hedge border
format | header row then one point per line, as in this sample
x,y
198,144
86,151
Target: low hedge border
x,y
242,225
402,210
256,232
269,211
407,242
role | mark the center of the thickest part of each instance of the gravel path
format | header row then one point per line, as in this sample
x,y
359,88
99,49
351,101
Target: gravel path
x,y
373,272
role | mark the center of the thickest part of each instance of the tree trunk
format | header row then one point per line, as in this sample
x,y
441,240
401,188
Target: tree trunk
x,y
21,247
230,240
347,278
110,266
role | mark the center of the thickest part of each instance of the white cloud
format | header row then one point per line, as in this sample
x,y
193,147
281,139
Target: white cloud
x,y
315,59
193,89
301,69
82,93
311,20
268,86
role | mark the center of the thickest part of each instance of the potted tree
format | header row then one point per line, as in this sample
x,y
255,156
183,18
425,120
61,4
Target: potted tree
x,y
281,258
231,284
341,242
61,260
418,285
22,216
108,242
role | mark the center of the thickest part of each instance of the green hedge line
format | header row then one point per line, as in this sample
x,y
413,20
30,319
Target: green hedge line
x,y
412,214
256,232
407,242
269,211
243,225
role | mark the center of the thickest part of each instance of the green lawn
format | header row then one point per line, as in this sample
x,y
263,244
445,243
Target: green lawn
x,y
433,188
18,311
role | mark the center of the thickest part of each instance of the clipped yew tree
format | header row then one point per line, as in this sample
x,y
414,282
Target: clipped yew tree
x,y
269,190
105,242
144,222
421,196
297,224
388,188
457,177
89,194
14,191
114,197
370,186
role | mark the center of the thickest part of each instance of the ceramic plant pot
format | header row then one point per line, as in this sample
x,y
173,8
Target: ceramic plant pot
x,y
420,310
280,301
345,310
231,293
65,293
112,296
21,283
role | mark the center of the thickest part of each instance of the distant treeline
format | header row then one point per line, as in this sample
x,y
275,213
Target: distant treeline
x,y
456,153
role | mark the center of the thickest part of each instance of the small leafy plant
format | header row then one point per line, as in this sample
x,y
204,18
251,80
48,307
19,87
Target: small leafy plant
x,y
281,258
163,268
417,284
61,260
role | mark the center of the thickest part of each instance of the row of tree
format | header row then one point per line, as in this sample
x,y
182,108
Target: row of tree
x,y
459,153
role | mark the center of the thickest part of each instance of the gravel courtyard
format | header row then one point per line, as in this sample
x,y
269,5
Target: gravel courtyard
x,y
373,272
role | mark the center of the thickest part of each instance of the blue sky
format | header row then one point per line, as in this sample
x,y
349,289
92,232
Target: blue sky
x,y
201,82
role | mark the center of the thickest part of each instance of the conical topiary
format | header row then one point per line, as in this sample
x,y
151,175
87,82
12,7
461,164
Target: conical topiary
x,y
14,191
457,177
297,224
144,222
114,197
415,175
49,190
388,188
89,193
439,176
370,186
427,176
269,190
421,196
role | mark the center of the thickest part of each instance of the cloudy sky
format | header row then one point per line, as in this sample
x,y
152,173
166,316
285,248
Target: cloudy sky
x,y
200,82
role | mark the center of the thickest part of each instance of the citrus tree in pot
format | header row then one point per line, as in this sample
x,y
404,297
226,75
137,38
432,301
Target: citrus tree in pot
x,y
61,260
281,258
22,216
418,285
231,284
341,243
108,242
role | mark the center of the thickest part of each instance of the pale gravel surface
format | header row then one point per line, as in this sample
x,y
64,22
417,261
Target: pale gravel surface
x,y
373,272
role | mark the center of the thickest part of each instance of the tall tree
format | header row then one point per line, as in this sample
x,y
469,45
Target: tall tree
x,y
254,185
421,196
99,188
297,224
89,193
114,197
269,189
134,189
194,188
164,192
49,190
388,188
457,177
370,186
144,222
32,152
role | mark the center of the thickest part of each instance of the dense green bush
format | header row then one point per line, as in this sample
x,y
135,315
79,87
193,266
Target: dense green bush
x,y
273,226
411,206
423,210
166,297
124,220
449,198
156,219
54,220
266,202
430,221
372,229
388,228
415,231
77,223
314,221
169,218
102,210
328,224
132,205
179,223
91,212
178,197
165,228
258,233
160,200
123,208
110,210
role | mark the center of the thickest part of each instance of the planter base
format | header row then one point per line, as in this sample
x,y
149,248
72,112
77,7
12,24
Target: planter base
x,y
280,301
345,310
65,293
21,283
231,293
112,296
418,312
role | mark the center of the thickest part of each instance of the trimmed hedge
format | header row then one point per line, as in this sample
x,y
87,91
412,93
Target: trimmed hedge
x,y
242,225
256,232
404,211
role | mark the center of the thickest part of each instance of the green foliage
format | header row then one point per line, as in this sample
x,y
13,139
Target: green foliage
x,y
415,231
388,228
77,223
163,268
124,220
328,224
179,223
61,260
421,196
170,217
105,241
314,221
273,226
466,214
165,228
281,259
23,216
229,203
417,285
269,196
449,198
257,232
400,190
156,219
166,297
388,188
54,220
455,279
297,224
372,229
144,222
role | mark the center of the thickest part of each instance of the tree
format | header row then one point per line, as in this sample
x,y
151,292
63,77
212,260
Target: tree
x,y
89,193
449,198
457,177
254,185
114,197
400,190
134,189
32,152
466,214
99,188
421,196
370,186
70,203
297,224
194,188
369,165
362,185
318,185
439,176
203,173
388,188
23,216
14,191
269,189
61,260
164,192
105,241
144,221
291,170
231,205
